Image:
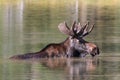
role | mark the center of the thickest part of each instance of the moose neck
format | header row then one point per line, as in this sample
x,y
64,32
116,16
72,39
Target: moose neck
x,y
66,42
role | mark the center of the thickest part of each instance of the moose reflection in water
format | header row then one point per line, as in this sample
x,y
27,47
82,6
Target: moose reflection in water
x,y
73,46
74,69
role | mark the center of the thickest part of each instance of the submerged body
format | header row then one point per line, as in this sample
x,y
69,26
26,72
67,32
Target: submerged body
x,y
62,49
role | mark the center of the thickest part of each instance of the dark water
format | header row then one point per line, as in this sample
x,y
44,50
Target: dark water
x,y
29,25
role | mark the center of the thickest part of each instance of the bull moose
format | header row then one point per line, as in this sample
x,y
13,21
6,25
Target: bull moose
x,y
73,46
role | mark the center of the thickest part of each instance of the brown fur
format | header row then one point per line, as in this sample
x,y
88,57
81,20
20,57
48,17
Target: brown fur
x,y
51,50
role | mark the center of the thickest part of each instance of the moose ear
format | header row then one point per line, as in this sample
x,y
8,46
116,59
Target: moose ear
x,y
64,28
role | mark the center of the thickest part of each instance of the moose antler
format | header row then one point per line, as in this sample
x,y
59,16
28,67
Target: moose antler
x,y
76,30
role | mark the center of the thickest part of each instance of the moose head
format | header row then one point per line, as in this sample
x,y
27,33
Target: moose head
x,y
78,46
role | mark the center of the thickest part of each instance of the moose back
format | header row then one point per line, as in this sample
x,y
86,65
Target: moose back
x,y
73,46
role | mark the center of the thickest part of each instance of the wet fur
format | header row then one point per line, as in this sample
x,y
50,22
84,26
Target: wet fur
x,y
51,50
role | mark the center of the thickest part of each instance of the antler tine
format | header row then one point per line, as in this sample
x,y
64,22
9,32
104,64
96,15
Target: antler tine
x,y
91,28
73,30
79,27
83,29
88,30
79,24
66,25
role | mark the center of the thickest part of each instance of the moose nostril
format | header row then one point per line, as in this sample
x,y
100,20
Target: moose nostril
x,y
92,55
96,51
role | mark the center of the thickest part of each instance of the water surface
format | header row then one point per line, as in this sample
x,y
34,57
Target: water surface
x,y
28,25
